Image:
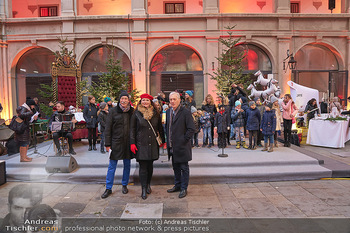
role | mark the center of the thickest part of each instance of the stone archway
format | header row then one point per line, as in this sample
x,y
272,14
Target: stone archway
x,y
33,69
177,67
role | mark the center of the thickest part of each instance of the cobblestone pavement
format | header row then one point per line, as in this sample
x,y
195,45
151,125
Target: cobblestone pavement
x,y
293,199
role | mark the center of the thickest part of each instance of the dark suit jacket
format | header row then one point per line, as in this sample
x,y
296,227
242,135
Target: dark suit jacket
x,y
182,131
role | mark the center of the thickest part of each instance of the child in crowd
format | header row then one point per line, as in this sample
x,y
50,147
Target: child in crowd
x,y
276,107
253,122
261,109
194,141
102,117
222,125
206,126
238,118
268,126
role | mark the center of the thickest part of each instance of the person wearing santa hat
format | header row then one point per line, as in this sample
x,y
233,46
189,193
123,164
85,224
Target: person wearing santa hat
x,y
145,125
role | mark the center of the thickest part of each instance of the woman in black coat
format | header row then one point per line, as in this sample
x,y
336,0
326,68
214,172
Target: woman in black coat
x,y
145,124
24,115
208,105
90,116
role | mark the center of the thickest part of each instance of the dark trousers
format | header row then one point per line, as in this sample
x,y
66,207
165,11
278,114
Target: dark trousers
x,y
253,135
67,135
102,135
260,137
181,174
194,140
287,124
92,137
145,172
222,140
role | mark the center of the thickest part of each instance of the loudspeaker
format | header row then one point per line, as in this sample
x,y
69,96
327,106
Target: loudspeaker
x,y
2,172
331,4
64,164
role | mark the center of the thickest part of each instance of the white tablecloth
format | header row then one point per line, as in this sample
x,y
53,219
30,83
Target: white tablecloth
x,y
79,116
328,134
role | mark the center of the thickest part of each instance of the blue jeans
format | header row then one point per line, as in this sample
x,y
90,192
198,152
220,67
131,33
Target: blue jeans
x,y
233,131
207,133
102,136
111,172
267,137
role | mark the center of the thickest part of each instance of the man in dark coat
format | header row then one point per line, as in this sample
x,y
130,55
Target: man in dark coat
x,y
180,129
117,138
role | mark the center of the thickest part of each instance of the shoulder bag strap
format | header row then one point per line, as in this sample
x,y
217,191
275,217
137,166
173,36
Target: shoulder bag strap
x,y
152,128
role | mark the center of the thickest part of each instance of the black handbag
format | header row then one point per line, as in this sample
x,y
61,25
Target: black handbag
x,y
17,125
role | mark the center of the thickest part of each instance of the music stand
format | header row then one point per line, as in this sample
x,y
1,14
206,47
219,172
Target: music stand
x,y
35,140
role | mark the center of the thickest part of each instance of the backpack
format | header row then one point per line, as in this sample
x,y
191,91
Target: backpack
x,y
17,125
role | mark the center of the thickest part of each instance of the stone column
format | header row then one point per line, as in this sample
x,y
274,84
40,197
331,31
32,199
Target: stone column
x,y
138,61
282,6
211,64
67,8
210,6
138,7
5,9
283,76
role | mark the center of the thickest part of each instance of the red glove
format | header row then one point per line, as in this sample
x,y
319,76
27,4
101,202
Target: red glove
x,y
163,145
133,148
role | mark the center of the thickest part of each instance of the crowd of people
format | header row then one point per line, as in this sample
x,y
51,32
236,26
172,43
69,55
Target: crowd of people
x,y
173,123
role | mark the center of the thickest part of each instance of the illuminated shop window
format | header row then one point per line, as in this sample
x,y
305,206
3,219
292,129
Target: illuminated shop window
x,y
174,8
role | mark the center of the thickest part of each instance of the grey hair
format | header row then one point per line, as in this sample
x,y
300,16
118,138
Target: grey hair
x,y
175,93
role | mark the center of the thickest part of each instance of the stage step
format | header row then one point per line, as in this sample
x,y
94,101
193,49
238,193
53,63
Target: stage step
x,y
206,167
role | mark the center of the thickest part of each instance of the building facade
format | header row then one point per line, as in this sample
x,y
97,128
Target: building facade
x,y
168,45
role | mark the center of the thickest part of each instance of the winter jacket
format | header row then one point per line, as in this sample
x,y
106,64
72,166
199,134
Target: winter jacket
x,y
117,133
102,117
197,124
182,129
188,105
142,135
90,115
25,115
268,122
221,122
289,110
238,118
310,107
205,120
279,118
211,109
253,119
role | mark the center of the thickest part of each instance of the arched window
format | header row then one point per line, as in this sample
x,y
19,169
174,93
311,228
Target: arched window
x,y
177,67
94,64
316,57
32,69
256,58
318,67
95,60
